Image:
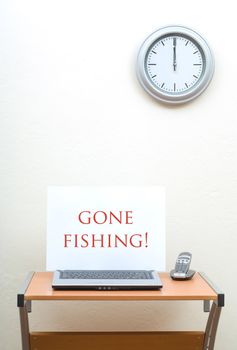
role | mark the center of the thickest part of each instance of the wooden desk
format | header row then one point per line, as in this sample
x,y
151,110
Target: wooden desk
x,y
38,287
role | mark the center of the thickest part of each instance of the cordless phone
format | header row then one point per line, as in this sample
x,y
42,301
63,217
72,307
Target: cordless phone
x,y
181,271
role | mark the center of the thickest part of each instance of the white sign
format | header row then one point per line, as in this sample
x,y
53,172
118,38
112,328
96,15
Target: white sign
x,y
106,228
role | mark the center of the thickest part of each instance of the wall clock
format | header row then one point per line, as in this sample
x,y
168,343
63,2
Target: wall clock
x,y
175,64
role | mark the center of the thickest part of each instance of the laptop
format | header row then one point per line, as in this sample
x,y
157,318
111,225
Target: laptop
x,y
106,280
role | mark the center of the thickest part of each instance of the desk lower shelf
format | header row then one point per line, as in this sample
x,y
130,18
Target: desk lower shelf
x,y
117,340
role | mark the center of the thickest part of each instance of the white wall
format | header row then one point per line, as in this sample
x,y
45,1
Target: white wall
x,y
72,113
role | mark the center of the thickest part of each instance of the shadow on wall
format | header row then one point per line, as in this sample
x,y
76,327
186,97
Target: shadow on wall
x,y
112,316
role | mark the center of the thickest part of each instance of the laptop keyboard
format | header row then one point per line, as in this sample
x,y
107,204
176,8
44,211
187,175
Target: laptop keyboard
x,y
106,274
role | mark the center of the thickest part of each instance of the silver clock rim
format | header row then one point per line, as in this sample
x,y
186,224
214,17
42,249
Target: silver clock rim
x,y
189,94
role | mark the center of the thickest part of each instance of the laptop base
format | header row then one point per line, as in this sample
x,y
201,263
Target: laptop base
x,y
106,280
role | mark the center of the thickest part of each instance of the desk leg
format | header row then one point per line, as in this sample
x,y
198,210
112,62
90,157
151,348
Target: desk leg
x,y
24,321
211,328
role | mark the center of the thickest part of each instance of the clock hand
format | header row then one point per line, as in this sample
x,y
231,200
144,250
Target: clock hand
x,y
174,54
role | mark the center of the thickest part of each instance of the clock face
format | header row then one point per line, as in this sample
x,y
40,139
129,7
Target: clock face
x,y
175,64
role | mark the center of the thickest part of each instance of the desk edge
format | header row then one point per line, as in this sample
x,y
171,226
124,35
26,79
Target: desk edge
x,y
23,288
220,294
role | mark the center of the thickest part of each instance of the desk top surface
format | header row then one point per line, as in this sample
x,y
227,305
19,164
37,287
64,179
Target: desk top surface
x,y
195,289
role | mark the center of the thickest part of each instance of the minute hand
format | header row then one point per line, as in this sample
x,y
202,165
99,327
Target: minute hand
x,y
174,54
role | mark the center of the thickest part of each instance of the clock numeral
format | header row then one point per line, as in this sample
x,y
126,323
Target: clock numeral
x,y
187,42
162,85
174,87
195,52
186,85
154,76
195,76
151,64
197,64
154,52
162,43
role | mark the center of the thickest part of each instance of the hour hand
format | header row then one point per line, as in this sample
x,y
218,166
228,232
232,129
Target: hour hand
x,y
174,54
